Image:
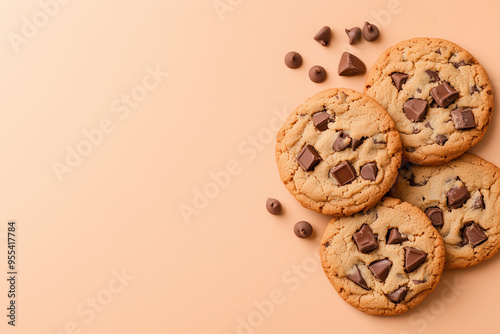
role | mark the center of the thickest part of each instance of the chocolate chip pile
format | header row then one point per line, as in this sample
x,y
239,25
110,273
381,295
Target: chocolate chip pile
x,y
349,64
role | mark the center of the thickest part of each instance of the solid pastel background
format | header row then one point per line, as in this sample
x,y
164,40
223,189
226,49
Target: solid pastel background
x,y
119,207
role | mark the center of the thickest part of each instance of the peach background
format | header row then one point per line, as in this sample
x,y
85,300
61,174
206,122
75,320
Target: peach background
x,y
118,209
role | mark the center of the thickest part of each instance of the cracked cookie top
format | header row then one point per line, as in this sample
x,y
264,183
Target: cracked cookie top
x,y
338,153
439,96
384,261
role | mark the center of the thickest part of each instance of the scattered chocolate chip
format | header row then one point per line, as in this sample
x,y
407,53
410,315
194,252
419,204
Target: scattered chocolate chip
x,y
460,63
350,65
308,158
343,173
415,109
381,269
273,206
370,32
441,140
323,36
303,229
356,142
463,119
413,258
321,120
414,184
473,234
473,90
358,279
435,215
317,74
369,171
354,34
398,295
478,202
342,142
395,237
434,75
444,94
293,59
457,196
399,79
365,240
418,281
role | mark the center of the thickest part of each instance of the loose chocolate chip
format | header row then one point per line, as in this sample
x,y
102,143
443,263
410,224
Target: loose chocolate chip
x,y
435,215
351,65
308,158
293,59
441,140
395,237
381,269
358,279
413,258
418,281
343,173
273,206
473,90
473,234
460,63
399,79
434,75
354,34
478,202
342,142
370,32
323,36
415,109
356,142
369,171
457,196
444,94
317,74
365,240
463,119
303,229
398,295
321,120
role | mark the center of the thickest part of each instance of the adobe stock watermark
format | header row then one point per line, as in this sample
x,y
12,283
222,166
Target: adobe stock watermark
x,y
31,25
121,108
292,279
222,7
247,151
90,308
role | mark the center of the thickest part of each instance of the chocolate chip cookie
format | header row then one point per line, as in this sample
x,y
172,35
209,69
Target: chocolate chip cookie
x,y
439,96
461,198
385,261
338,153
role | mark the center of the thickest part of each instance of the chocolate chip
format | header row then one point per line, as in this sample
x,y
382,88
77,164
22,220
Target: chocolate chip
x,y
398,295
415,109
460,63
317,74
399,79
273,206
369,171
435,215
354,34
343,173
381,269
342,142
413,258
438,51
473,90
478,203
414,184
473,234
415,130
395,237
293,59
434,75
303,229
419,90
356,142
350,65
457,196
428,125
327,244
418,281
463,119
358,279
308,158
441,140
321,120
370,32
444,94
323,36
365,240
